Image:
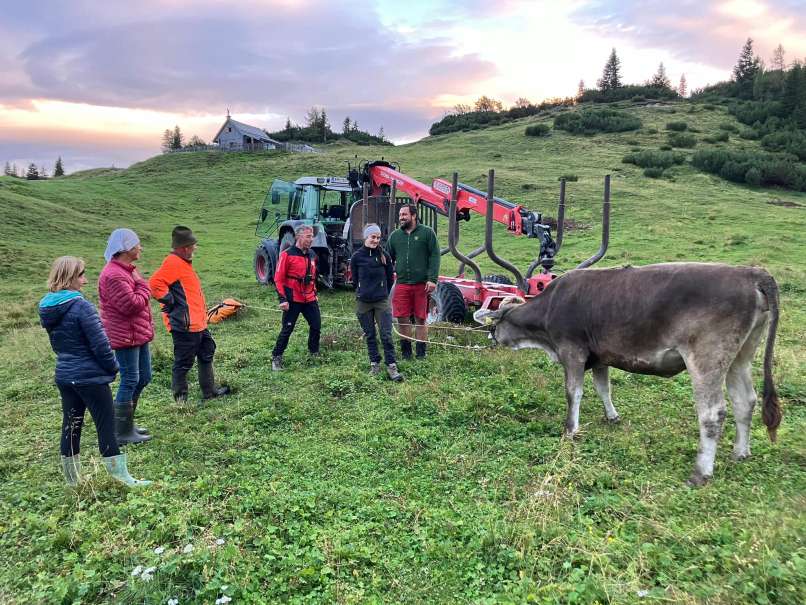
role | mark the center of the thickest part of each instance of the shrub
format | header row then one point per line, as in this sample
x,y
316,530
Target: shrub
x,y
765,169
537,130
650,158
653,172
571,178
709,107
652,130
720,137
789,141
679,139
727,126
677,126
665,147
748,134
627,93
591,121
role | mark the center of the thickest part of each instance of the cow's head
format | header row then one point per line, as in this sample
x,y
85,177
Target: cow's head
x,y
501,331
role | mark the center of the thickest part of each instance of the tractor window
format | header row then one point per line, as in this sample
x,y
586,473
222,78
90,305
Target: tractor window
x,y
281,192
334,205
305,204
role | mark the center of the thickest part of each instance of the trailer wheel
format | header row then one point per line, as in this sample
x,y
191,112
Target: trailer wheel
x,y
495,278
447,304
265,262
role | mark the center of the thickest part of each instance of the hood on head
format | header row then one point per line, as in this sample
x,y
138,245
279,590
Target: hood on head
x,y
54,305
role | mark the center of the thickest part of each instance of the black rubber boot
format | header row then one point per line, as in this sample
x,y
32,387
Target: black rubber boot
x,y
207,382
124,425
405,349
140,429
420,347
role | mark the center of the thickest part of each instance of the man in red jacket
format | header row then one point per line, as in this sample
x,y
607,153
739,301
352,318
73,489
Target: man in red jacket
x,y
295,280
177,287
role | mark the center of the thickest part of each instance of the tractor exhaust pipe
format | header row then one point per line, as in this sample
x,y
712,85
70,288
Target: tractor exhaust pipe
x,y
488,236
453,231
605,228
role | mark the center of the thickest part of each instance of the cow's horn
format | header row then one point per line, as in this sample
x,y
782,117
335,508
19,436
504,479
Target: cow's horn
x,y
512,300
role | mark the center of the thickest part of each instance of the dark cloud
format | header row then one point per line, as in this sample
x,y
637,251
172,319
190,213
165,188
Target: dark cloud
x,y
254,59
693,30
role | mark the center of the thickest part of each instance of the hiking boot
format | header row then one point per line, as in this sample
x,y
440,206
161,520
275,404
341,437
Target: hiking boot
x,y
71,466
420,348
124,425
118,468
277,363
391,369
375,368
405,349
207,382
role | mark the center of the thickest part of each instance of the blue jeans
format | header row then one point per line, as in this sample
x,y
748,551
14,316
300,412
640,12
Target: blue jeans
x,y
135,372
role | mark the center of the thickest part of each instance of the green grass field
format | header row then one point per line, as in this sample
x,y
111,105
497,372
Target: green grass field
x,y
324,485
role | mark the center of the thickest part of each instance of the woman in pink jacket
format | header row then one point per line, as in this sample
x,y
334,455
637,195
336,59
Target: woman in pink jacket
x,y
126,316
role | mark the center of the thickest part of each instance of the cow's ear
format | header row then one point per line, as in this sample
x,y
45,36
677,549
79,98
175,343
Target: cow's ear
x,y
512,301
487,317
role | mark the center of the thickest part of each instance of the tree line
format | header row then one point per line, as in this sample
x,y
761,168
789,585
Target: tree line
x,y
32,173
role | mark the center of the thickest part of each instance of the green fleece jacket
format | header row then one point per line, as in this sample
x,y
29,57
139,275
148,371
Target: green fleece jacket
x,y
416,255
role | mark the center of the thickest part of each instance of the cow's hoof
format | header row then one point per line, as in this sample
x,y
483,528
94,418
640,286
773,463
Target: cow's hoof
x,y
571,436
741,456
613,420
697,480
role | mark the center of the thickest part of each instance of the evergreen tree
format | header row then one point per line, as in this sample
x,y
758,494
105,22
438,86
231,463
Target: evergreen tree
x,y
7,170
381,134
14,171
682,88
325,125
32,173
581,89
794,98
747,65
167,140
58,170
611,76
177,138
778,61
345,128
660,79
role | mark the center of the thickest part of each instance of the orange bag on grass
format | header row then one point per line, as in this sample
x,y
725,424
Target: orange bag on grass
x,y
226,308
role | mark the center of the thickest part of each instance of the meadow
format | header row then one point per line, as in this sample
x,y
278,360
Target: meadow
x,y
322,484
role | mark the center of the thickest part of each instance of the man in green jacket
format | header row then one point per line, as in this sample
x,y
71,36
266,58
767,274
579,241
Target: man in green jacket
x,y
415,251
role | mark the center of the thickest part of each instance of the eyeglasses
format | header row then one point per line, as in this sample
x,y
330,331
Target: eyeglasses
x,y
82,273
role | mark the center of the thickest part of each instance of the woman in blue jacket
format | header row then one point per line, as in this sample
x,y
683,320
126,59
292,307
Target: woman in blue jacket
x,y
373,276
85,365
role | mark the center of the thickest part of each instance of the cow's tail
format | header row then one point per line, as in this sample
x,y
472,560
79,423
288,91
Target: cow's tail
x,y
771,412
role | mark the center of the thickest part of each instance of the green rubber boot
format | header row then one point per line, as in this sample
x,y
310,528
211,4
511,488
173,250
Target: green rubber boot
x,y
71,466
118,468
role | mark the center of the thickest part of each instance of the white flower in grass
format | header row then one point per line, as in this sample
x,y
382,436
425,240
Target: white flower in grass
x,y
136,571
224,588
159,550
642,593
148,573
188,549
173,601
223,600
220,541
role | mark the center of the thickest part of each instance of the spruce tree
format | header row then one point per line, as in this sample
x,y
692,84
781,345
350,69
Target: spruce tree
x,y
167,140
660,79
611,76
7,169
32,173
581,89
345,128
58,170
778,61
747,64
177,138
682,88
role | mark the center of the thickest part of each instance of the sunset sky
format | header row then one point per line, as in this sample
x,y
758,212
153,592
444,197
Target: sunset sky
x,y
98,82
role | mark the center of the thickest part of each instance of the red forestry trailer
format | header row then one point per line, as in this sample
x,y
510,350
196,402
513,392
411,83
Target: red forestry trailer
x,y
381,182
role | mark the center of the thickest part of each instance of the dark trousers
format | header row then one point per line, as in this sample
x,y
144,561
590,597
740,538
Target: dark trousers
x,y
310,311
368,315
75,400
135,372
187,347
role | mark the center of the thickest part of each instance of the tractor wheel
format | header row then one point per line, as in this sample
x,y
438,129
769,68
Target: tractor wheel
x,y
497,279
447,304
287,241
265,262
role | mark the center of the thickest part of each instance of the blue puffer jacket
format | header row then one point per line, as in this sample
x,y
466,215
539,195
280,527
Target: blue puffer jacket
x,y
83,353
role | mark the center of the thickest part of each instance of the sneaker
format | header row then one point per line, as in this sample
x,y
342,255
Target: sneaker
x,y
374,368
391,369
277,363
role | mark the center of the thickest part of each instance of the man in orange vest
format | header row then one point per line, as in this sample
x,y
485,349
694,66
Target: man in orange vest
x,y
177,287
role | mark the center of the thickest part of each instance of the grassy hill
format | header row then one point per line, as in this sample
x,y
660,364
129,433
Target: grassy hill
x,y
324,485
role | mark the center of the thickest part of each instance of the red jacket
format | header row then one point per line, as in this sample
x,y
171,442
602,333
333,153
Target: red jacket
x,y
125,313
176,285
295,277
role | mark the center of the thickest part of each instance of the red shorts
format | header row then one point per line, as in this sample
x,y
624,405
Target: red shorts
x,y
410,299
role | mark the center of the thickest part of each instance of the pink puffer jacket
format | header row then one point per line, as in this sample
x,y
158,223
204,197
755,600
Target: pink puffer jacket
x,y
125,311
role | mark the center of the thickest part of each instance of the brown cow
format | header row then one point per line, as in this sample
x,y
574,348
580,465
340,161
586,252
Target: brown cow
x,y
660,320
